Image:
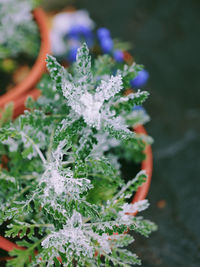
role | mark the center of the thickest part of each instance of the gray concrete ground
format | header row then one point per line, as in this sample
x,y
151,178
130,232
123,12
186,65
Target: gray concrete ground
x,y
165,37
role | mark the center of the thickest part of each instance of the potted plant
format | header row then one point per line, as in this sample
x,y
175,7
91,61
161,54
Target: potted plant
x,y
62,190
23,48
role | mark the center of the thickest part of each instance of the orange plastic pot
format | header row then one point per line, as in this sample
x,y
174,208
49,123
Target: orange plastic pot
x,y
146,165
39,66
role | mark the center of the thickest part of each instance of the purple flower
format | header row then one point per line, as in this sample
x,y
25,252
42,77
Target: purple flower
x,y
106,45
140,80
138,107
89,41
71,57
103,33
118,55
79,32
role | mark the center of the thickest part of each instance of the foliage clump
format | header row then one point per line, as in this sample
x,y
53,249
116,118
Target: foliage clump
x,y
61,185
18,30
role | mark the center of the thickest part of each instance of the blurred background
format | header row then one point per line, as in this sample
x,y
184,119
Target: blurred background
x,y
165,38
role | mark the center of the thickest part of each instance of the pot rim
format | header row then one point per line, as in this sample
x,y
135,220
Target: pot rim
x,y
146,165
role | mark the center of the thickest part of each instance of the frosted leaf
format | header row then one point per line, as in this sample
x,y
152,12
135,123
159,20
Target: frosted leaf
x,y
16,27
6,177
58,153
114,161
104,243
90,105
91,109
71,239
104,143
12,144
137,117
30,149
76,219
118,129
132,208
62,182
110,88
79,91
57,72
134,68
83,66
136,95
54,179
134,182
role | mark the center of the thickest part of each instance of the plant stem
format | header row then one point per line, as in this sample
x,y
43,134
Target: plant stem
x,y
124,188
67,162
35,146
28,177
17,195
36,244
50,145
40,225
119,263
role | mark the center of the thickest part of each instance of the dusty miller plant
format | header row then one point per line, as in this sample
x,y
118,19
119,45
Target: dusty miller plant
x,y
61,183
18,31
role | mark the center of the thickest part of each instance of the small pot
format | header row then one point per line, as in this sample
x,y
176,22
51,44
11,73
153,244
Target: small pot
x,y
39,66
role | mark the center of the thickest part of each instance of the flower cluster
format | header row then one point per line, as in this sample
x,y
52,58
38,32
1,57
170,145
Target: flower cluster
x,y
71,29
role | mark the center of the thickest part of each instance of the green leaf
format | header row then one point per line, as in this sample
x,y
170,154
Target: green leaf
x,y
126,258
144,227
7,132
127,103
103,65
120,133
57,72
7,114
83,65
21,258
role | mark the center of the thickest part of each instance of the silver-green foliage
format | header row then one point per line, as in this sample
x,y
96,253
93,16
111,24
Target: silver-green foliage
x,y
62,185
18,30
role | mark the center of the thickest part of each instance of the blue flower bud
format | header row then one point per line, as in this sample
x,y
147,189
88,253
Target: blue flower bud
x,y
89,41
103,33
79,30
71,57
106,45
138,107
118,55
140,80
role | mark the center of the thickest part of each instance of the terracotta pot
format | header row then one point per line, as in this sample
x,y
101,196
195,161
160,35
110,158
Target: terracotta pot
x,y
39,66
147,165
